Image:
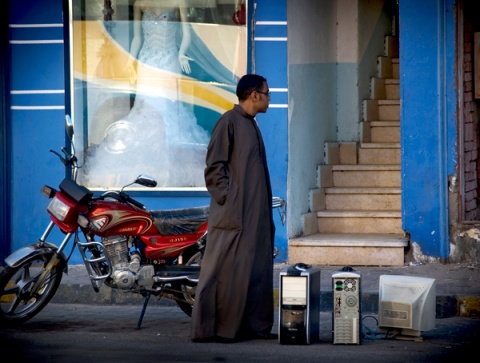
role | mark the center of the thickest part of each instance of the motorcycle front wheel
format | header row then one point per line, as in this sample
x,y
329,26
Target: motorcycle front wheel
x,y
18,303
185,294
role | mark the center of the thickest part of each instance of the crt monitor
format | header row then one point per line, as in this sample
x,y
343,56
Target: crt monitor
x,y
406,304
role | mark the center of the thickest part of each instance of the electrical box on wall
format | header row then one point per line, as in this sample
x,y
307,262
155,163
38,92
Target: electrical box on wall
x,y
299,302
346,306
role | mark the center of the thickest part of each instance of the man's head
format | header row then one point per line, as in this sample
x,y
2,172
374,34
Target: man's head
x,y
253,93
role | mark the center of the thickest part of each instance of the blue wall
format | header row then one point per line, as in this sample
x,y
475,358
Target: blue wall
x,y
4,185
428,132
36,112
36,117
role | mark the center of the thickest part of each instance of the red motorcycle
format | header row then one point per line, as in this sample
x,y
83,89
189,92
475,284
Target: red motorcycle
x,y
148,252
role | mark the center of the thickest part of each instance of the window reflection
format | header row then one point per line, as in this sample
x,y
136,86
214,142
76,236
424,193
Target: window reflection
x,y
151,77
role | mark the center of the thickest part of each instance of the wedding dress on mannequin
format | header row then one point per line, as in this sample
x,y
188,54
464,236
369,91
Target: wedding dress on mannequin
x,y
160,136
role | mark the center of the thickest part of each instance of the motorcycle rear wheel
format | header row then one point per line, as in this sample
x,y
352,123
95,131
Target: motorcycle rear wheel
x,y
17,303
186,297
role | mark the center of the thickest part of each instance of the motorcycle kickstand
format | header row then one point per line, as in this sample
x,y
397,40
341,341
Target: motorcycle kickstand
x,y
145,303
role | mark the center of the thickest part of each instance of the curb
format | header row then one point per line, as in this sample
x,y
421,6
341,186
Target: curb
x,y
77,289
447,306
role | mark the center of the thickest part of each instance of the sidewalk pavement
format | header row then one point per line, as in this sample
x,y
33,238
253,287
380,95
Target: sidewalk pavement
x,y
457,287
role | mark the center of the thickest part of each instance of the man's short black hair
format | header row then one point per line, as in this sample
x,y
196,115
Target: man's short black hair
x,y
249,83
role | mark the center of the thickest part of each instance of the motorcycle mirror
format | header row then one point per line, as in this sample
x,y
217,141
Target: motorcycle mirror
x,y
69,126
146,181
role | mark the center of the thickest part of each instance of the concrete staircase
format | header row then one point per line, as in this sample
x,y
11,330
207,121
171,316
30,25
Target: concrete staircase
x,y
356,210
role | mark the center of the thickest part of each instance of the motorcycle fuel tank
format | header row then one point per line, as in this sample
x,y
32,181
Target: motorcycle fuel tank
x,y
110,218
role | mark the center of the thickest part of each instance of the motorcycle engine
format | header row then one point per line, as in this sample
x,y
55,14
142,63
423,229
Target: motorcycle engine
x,y
124,268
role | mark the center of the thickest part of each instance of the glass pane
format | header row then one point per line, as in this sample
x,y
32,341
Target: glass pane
x,y
150,79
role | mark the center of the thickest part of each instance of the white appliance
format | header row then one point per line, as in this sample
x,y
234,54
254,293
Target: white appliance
x,y
346,307
299,300
406,305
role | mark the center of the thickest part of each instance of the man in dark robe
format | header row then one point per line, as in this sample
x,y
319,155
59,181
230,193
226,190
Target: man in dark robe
x,y
234,296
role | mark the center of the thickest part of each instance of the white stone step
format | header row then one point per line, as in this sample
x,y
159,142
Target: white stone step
x,y
384,131
395,68
366,175
380,131
384,67
391,46
359,221
381,110
365,198
348,249
384,89
392,89
379,153
389,110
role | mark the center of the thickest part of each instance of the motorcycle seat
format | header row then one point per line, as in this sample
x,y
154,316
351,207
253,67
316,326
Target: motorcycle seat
x,y
179,221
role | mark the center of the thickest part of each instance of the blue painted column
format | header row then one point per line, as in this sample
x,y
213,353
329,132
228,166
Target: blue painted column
x,y
35,114
4,186
428,124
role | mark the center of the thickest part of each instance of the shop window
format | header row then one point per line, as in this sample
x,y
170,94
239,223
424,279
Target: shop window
x,y
149,80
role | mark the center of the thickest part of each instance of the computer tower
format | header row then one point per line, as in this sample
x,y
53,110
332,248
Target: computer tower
x,y
299,305
346,307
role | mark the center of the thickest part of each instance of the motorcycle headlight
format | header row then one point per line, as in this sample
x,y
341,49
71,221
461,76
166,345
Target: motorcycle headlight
x,y
58,209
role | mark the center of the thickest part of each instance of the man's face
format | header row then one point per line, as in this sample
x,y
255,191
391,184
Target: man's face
x,y
264,98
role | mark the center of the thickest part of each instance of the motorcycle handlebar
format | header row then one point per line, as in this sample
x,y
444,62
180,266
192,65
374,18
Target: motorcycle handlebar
x,y
134,202
122,197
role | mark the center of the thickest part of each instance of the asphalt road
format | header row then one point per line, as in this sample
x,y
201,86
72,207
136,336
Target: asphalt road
x,y
103,333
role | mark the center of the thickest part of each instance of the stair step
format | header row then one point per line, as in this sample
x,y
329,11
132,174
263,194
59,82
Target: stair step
x,y
358,214
384,89
366,175
391,46
379,153
348,249
380,145
362,198
392,89
384,67
393,167
395,68
381,110
359,221
388,110
362,190
351,240
384,131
